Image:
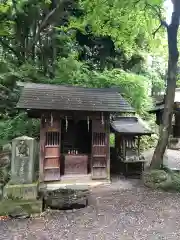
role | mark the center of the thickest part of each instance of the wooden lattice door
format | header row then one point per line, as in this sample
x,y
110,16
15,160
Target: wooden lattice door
x,y
99,150
52,151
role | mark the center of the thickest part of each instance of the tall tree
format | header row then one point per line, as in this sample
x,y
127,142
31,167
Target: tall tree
x,y
77,42
172,33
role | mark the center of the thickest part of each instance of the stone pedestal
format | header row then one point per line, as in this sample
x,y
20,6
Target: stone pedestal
x,y
21,191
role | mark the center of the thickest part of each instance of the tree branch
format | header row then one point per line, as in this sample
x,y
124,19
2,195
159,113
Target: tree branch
x,y
163,24
158,13
154,33
5,44
43,24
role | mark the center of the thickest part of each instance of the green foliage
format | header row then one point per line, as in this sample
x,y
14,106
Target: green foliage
x,y
18,126
133,87
70,71
125,21
148,142
112,140
39,43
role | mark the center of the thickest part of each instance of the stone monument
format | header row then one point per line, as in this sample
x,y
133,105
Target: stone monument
x,y
24,152
23,184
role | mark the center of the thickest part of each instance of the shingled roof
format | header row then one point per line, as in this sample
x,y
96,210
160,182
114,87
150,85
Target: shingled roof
x,y
57,97
159,101
130,125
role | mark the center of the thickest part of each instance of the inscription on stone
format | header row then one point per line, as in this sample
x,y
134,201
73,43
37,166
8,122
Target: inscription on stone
x,y
23,160
22,149
21,169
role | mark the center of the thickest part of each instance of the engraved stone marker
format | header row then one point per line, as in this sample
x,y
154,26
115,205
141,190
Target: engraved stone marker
x,y
21,191
24,150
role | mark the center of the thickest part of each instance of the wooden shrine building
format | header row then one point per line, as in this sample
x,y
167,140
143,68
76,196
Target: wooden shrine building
x,y
75,128
128,132
174,140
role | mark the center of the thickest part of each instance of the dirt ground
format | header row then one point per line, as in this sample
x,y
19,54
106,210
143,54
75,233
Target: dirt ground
x,y
124,210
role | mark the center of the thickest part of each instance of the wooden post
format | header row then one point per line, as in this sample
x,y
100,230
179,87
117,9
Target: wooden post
x,y
100,153
108,149
42,150
139,138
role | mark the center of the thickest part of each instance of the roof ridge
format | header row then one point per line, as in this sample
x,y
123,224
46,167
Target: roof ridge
x,y
47,85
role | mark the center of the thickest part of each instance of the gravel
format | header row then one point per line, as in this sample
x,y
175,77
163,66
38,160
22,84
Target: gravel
x,y
115,212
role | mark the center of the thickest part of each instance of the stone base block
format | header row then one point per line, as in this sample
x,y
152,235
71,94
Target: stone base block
x,y
66,198
21,191
20,208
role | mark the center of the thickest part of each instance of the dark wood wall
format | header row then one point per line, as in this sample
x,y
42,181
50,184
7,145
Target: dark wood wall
x,y
50,144
100,149
159,117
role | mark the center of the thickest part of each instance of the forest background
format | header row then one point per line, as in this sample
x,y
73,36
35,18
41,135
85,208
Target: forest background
x,y
97,43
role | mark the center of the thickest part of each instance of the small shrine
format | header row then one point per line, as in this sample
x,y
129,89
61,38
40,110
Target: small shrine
x,y
128,132
75,129
158,109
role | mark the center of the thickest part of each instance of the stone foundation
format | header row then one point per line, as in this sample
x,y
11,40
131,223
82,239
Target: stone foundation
x,y
66,198
21,191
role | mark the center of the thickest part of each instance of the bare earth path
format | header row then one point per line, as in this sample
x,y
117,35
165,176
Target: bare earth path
x,y
124,210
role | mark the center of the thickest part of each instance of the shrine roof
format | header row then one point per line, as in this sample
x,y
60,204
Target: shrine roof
x,y
159,101
58,97
130,125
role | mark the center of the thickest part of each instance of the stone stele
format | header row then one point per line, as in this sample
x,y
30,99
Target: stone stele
x,y
22,184
24,155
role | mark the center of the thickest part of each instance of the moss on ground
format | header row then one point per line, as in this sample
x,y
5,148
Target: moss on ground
x,y
29,206
162,179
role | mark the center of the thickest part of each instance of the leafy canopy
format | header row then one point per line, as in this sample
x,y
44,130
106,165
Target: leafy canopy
x,y
97,43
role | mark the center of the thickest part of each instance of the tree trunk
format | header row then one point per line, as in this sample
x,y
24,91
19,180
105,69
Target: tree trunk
x,y
172,31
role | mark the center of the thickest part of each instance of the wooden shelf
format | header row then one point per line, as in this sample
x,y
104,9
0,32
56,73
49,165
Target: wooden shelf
x,y
51,146
99,166
47,168
104,155
99,145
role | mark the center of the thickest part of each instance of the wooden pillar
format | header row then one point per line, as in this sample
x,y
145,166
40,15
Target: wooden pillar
x,y
42,150
100,159
50,142
52,150
116,143
108,149
139,140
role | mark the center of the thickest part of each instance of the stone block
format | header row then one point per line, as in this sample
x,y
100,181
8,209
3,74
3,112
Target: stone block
x,y
21,191
20,208
66,198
